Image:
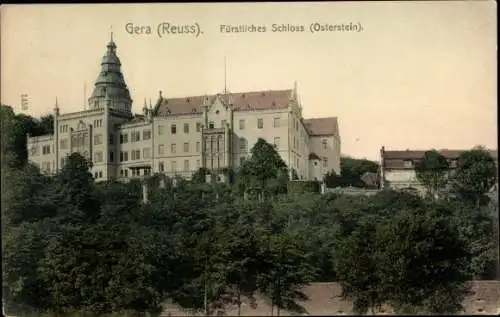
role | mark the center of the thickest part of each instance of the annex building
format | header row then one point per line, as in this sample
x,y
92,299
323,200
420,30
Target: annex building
x,y
177,136
397,167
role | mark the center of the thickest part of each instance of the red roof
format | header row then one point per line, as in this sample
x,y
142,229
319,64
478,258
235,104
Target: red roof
x,y
254,100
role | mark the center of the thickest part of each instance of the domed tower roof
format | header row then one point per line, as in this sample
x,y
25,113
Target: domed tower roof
x,y
110,82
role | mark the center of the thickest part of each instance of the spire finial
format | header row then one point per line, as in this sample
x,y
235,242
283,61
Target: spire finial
x,y
225,74
295,93
111,33
145,103
150,104
57,103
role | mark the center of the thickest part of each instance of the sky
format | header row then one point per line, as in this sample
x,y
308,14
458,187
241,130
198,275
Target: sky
x,y
416,75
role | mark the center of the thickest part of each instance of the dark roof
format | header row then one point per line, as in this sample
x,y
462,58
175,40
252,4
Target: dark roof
x,y
322,126
370,179
254,100
313,156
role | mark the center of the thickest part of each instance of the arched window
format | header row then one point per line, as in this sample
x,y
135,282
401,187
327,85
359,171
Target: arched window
x,y
212,143
207,145
220,144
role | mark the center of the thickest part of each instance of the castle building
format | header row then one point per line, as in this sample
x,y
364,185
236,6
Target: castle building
x,y
177,136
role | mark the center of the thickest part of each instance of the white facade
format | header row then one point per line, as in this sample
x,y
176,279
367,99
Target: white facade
x,y
178,136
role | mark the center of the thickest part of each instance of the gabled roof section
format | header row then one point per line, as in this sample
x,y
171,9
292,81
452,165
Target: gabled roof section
x,y
327,126
254,100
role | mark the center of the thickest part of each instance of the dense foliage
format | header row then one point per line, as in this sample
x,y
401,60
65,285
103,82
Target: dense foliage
x,y
71,245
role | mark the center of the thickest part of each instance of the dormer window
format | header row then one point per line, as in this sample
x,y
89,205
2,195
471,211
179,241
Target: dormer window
x,y
217,112
408,163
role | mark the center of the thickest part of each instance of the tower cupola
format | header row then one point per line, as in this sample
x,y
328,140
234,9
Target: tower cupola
x,y
110,87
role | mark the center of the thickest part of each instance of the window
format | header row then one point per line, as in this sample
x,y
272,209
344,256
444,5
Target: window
x,y
325,162
407,163
64,144
294,143
186,128
98,157
111,139
198,144
96,175
63,128
46,149
100,174
146,153
123,138
186,165
160,130
136,154
243,145
173,129
121,172
223,123
277,142
161,149
98,123
146,134
123,156
161,167
211,125
174,166
186,147
297,164
198,126
198,164
111,156
136,136
172,148
97,139
242,160
126,173
276,122
260,123
63,161
325,144
242,124
296,125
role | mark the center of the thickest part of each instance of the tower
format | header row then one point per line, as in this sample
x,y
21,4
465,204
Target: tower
x,y
56,134
110,84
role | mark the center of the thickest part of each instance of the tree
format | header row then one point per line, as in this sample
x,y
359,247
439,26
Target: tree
x,y
475,175
351,173
264,165
432,172
357,268
422,257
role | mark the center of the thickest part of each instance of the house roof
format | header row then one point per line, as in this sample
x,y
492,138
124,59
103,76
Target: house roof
x,y
396,159
322,126
418,154
253,100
